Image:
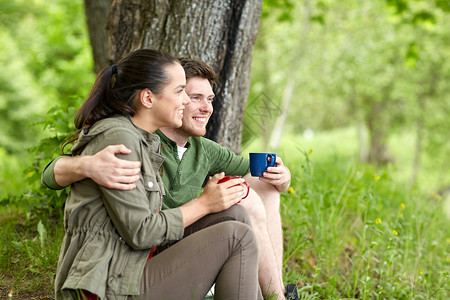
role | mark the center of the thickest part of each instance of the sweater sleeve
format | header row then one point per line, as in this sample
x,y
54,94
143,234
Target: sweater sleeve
x,y
48,176
224,160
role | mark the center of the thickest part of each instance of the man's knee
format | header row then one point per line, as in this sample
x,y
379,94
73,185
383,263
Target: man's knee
x,y
255,207
260,187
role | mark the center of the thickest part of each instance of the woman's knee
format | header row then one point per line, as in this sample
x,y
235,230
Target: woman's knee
x,y
238,213
234,213
241,233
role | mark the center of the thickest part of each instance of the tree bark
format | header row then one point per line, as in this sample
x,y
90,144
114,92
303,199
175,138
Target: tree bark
x,y
221,33
362,141
377,126
97,12
277,132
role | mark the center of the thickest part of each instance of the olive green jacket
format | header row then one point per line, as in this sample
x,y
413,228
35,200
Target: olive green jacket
x,y
109,233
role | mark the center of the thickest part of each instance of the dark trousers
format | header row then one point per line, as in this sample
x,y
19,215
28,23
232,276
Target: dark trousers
x,y
220,248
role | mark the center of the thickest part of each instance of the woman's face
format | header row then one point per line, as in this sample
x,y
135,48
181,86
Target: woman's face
x,y
169,104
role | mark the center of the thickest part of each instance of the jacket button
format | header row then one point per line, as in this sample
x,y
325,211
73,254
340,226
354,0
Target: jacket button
x,y
150,184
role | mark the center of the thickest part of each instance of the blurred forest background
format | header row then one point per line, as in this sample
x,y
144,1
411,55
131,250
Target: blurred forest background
x,y
378,68
364,80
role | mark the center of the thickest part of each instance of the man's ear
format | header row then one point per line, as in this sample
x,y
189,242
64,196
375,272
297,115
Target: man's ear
x,y
146,98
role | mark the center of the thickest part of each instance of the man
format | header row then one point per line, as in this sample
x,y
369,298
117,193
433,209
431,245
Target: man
x,y
189,159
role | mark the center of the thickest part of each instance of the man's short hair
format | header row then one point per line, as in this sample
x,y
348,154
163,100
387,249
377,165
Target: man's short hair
x,y
198,68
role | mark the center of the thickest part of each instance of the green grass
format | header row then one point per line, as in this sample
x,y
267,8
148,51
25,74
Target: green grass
x,y
29,252
350,230
11,172
354,232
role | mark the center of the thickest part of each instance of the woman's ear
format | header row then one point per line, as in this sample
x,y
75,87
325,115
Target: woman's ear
x,y
146,98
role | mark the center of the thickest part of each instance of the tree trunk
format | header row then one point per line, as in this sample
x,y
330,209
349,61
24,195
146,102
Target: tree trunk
x,y
97,12
221,33
378,124
277,132
378,153
362,141
418,144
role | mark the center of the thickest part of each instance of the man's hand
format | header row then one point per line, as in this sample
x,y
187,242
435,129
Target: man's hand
x,y
108,170
279,176
104,168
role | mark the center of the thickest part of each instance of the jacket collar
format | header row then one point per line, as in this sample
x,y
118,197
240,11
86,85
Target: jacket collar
x,y
151,140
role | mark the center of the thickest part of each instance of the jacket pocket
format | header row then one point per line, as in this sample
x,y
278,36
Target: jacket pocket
x,y
153,189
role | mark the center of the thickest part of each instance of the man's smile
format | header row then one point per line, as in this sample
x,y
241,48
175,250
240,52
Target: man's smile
x,y
200,119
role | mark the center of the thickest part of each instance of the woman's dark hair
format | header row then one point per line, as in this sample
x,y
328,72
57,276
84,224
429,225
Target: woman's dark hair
x,y
116,87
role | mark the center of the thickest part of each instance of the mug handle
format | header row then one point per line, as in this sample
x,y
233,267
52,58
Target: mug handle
x,y
248,191
273,160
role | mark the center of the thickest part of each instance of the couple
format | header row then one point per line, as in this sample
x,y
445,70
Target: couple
x,y
114,223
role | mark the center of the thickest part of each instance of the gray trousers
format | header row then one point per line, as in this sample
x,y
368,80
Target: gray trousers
x,y
220,248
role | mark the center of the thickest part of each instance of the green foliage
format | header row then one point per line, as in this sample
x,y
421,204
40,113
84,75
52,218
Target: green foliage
x,y
285,11
11,167
404,7
366,63
46,58
350,230
17,99
281,8
443,4
58,122
354,231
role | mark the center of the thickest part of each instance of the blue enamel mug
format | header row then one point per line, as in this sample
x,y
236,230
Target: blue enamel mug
x,y
259,162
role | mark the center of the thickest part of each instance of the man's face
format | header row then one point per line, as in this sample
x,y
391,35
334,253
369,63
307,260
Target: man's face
x,y
196,114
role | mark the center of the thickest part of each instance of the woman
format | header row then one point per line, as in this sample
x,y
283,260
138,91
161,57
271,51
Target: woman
x,y
114,240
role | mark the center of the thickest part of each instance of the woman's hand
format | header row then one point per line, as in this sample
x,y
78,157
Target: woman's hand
x,y
220,196
216,197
